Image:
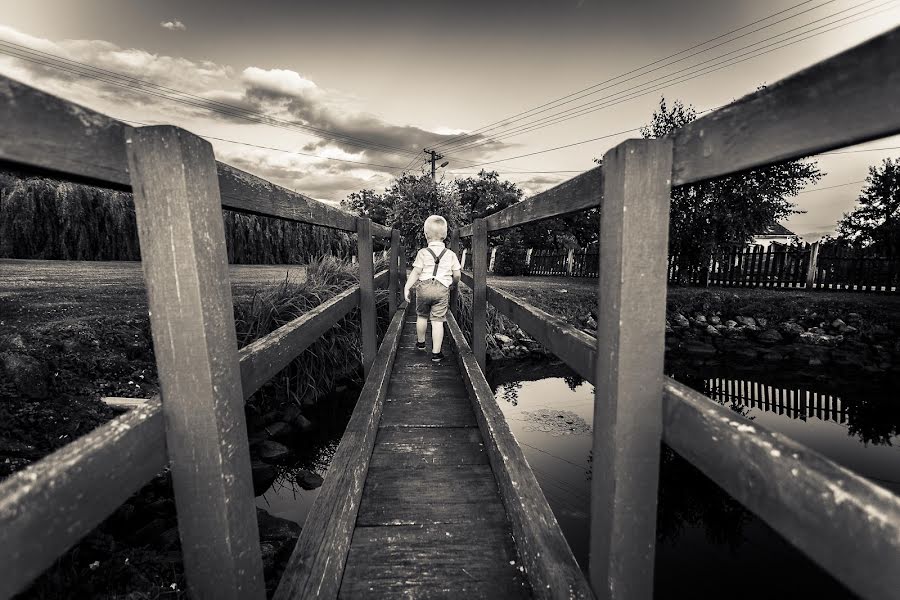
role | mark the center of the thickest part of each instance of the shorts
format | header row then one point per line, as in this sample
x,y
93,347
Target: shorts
x,y
432,300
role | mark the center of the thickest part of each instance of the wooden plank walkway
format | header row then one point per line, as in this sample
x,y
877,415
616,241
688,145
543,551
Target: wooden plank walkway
x,y
431,522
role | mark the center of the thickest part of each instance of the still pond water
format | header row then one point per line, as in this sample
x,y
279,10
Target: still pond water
x,y
708,545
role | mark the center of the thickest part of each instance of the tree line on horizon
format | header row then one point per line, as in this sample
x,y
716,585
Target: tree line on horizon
x,y
43,218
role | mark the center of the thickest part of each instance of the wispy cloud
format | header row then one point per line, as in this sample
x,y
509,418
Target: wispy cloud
x,y
175,25
215,97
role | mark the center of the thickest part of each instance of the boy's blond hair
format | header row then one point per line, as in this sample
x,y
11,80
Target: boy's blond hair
x,y
435,228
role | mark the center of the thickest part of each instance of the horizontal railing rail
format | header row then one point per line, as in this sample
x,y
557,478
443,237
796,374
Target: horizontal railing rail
x,y
549,564
856,91
47,134
822,508
51,504
317,562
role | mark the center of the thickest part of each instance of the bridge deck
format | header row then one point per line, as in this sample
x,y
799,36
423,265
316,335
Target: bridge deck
x,y
431,521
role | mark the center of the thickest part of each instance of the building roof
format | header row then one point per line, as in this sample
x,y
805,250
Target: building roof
x,y
774,229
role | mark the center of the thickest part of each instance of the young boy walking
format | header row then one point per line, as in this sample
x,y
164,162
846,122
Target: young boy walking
x,y
435,270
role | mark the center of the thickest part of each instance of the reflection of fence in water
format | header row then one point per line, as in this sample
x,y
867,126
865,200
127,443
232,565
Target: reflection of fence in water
x,y
795,402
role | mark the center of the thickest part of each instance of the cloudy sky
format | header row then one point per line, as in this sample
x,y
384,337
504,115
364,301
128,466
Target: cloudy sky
x,y
331,97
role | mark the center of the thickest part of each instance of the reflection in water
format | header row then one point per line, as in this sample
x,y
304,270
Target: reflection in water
x,y
707,541
313,451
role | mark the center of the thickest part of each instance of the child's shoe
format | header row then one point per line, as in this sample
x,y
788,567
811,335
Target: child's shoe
x,y
420,345
437,357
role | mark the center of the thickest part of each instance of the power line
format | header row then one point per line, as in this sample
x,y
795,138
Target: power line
x,y
486,127
152,89
651,91
861,150
602,137
517,172
681,75
830,187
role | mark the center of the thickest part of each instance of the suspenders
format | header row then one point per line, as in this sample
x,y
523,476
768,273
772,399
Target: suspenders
x,y
437,260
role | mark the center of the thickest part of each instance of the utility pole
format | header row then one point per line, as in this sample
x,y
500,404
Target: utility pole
x,y
434,158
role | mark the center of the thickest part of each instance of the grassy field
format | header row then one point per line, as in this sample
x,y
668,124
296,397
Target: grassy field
x,y
43,292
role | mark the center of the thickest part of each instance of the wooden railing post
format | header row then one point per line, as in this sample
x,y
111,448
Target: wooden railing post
x,y
182,240
454,293
813,266
629,381
402,266
479,290
366,292
394,269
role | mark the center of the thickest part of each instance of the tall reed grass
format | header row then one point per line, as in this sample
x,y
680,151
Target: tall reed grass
x,y
334,356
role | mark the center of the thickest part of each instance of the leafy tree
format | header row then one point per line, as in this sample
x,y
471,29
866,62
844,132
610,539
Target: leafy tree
x,y
366,203
875,222
413,198
729,210
486,194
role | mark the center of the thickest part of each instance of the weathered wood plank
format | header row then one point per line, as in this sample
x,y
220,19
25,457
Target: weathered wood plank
x,y
51,504
182,239
45,133
50,134
479,291
366,293
424,446
549,564
398,495
380,231
576,348
397,512
454,291
465,560
248,193
414,413
630,348
394,269
844,522
794,117
579,193
123,403
316,566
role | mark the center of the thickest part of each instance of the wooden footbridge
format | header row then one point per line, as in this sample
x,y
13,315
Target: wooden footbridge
x,y
428,493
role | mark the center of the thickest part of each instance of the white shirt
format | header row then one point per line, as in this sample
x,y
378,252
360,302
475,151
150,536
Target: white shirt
x,y
425,261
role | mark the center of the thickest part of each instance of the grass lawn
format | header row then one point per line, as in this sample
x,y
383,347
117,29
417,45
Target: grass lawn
x,y
573,298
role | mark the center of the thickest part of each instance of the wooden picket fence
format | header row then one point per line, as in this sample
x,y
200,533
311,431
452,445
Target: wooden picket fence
x,y
863,271
802,266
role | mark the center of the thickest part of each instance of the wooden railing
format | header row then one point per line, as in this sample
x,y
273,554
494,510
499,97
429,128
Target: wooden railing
x,y
198,428
845,523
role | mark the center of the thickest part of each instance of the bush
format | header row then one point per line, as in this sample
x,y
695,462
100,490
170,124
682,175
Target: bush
x,y
510,261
